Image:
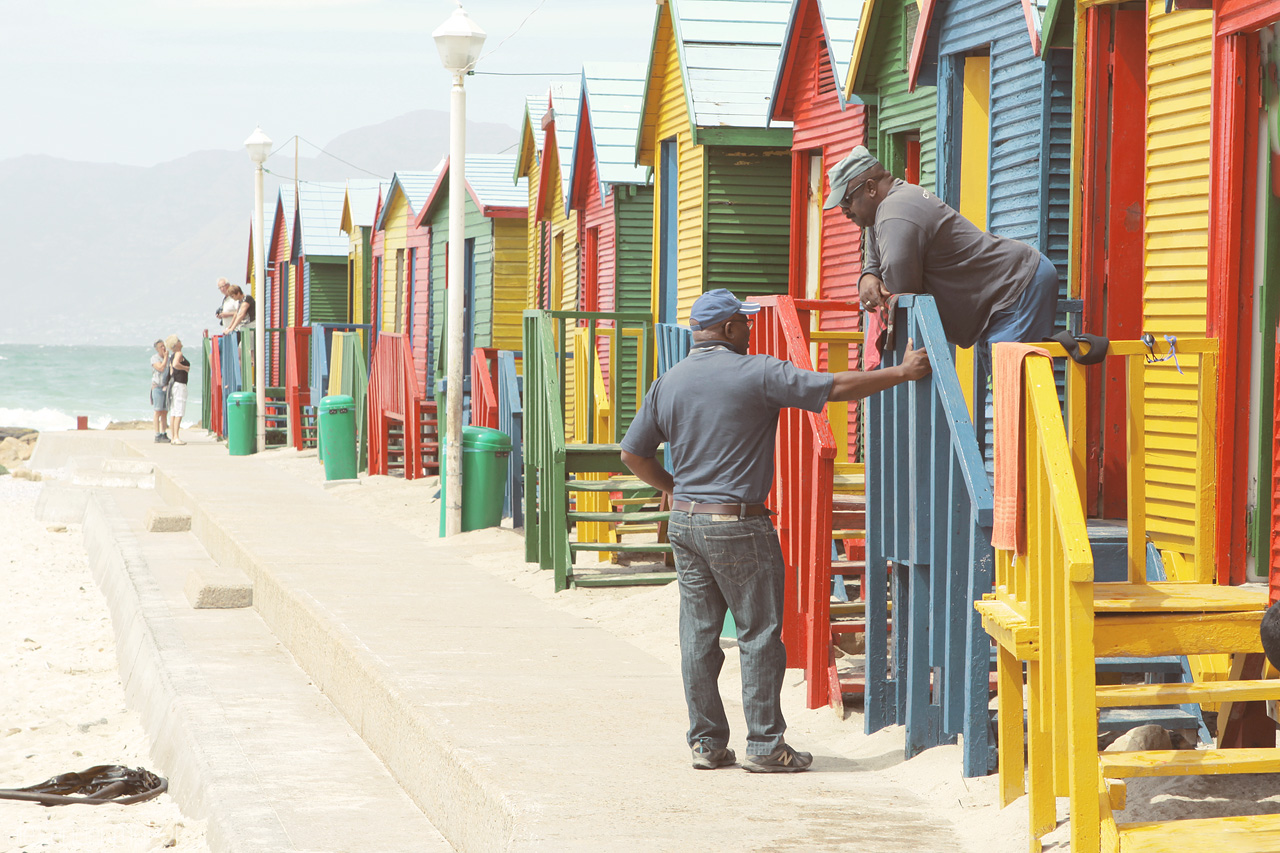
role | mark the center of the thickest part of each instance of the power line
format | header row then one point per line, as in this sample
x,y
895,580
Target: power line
x,y
340,160
522,74
513,32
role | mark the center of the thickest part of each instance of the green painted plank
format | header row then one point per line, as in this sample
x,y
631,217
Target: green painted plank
x,y
637,579
622,547
748,219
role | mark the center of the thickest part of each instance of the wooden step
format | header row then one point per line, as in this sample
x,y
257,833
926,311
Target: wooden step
x,y
1129,695
1238,833
620,485
1165,665
620,579
622,547
1175,597
1188,762
848,567
621,517
1126,719
636,528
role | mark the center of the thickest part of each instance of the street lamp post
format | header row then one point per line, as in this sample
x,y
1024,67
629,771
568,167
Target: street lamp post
x,y
459,41
259,146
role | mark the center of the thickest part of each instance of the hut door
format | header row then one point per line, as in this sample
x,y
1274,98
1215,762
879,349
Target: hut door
x,y
1262,429
668,240
813,232
975,156
468,303
1112,213
397,295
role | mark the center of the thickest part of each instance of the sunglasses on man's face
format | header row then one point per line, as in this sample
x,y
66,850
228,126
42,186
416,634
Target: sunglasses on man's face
x,y
848,197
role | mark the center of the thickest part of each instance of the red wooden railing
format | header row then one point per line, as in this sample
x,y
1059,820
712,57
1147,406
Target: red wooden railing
x,y
802,488
395,399
484,387
215,382
297,389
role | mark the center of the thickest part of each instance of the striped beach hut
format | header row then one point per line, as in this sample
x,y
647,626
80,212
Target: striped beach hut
x,y
613,199
319,254
902,124
359,212
402,302
722,175
808,92
280,277
494,261
1144,241
544,160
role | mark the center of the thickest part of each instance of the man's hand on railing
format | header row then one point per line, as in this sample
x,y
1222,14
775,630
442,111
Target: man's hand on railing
x,y
856,384
872,292
915,363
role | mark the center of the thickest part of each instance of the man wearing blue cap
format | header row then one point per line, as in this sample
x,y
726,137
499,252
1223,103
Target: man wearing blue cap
x,y
987,288
718,413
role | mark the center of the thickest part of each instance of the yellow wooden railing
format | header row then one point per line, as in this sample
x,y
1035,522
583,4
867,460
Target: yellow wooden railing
x,y
1042,612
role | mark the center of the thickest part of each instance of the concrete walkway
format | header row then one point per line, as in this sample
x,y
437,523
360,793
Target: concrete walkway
x,y
511,725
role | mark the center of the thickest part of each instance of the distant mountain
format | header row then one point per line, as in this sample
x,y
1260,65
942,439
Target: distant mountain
x,y
103,253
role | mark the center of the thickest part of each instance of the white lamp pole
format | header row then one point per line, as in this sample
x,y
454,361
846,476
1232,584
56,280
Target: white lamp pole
x,y
259,146
459,41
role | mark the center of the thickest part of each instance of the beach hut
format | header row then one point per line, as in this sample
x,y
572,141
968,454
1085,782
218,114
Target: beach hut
x,y
722,175
280,270
902,124
359,213
319,253
544,161
613,199
494,261
808,92
401,264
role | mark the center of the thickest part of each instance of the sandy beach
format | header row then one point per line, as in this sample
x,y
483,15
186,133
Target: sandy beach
x,y
62,707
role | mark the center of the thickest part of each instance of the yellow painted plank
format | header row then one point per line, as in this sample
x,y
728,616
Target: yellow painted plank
x,y
1189,762
1152,634
1166,596
1125,695
1236,834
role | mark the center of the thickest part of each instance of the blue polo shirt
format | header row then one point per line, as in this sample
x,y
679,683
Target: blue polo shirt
x,y
718,413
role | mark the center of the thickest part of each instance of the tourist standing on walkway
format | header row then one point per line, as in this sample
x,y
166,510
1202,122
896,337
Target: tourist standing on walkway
x,y
159,391
226,310
245,314
180,369
987,288
718,413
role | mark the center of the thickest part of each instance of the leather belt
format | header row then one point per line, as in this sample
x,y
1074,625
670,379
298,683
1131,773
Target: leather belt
x,y
740,510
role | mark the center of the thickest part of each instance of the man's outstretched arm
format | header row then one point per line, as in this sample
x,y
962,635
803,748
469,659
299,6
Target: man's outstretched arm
x,y
856,384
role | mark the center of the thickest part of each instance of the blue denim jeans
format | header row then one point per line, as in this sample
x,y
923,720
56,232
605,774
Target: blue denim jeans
x,y
725,562
1030,320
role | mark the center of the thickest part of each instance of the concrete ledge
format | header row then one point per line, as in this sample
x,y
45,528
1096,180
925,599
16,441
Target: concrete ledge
x,y
218,589
168,520
191,743
55,449
110,473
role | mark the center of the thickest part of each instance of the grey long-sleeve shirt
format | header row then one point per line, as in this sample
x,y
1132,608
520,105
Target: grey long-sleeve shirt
x,y
920,245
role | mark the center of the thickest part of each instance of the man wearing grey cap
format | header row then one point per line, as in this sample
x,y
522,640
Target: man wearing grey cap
x,y
718,413
987,288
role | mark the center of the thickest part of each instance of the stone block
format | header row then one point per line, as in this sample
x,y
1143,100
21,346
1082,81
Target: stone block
x,y
218,589
160,520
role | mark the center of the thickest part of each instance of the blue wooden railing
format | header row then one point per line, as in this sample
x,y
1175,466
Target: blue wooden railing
x,y
673,343
322,346
232,379
511,422
929,517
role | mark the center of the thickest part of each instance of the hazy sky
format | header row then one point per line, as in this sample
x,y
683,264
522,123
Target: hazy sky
x,y
144,81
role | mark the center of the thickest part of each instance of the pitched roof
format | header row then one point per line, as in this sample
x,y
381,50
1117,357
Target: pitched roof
x,y
729,49
489,185
840,30
360,206
535,107
612,96
926,40
564,112
416,188
319,217
284,203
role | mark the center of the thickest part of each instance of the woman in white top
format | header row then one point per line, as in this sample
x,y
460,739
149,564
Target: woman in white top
x,y
245,314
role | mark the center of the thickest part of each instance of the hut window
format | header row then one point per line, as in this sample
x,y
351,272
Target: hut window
x,y
910,20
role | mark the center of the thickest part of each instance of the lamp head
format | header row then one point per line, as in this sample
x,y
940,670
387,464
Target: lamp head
x,y
259,146
459,41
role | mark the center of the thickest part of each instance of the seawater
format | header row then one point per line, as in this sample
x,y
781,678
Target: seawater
x,y
45,387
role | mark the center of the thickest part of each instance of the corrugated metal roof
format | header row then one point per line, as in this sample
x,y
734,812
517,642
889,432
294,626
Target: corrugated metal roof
x,y
362,200
319,218
729,50
489,176
416,187
614,93
564,106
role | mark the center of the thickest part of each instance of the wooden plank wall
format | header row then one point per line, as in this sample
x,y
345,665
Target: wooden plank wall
x,y
1179,48
900,111
748,223
395,273
509,282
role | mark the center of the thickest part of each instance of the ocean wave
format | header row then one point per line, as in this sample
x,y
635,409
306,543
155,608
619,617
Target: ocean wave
x,y
47,419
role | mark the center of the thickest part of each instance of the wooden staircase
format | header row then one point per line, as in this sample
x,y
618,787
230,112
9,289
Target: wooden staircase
x,y
1048,614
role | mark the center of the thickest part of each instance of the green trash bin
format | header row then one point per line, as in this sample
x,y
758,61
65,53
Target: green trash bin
x,y
484,477
338,436
242,423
